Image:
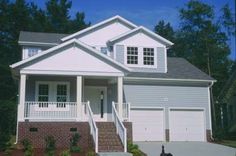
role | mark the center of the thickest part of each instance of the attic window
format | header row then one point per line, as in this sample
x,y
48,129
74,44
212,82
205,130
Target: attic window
x,y
104,50
33,51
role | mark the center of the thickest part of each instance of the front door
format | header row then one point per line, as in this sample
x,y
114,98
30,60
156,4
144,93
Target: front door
x,y
97,97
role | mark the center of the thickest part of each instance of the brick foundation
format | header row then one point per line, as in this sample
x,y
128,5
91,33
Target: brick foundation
x,y
61,131
167,131
128,126
208,135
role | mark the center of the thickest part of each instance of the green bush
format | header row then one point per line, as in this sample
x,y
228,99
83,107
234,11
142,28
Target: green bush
x,y
134,149
75,139
50,146
28,148
137,152
91,153
74,143
65,153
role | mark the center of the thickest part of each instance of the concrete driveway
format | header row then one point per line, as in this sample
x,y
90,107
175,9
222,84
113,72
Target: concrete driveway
x,y
186,149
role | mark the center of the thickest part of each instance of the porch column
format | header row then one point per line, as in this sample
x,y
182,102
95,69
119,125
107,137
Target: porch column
x,y
120,95
21,104
79,97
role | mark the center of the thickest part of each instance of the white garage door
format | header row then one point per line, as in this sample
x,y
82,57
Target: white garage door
x,y
148,124
186,125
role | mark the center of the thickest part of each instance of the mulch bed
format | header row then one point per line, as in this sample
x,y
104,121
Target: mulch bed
x,y
40,152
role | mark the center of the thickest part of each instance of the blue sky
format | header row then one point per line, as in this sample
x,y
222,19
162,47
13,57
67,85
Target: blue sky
x,y
141,12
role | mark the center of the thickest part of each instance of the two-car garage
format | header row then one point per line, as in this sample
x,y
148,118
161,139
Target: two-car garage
x,y
185,124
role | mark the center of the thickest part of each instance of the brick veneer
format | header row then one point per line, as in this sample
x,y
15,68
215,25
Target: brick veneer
x,y
208,135
167,131
128,126
59,130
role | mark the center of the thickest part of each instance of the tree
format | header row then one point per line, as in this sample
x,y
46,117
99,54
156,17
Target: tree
x,y
202,42
166,30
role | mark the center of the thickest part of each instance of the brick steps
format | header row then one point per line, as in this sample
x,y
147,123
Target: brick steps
x,y
108,140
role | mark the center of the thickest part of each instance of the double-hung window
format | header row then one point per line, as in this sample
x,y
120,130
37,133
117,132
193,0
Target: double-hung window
x,y
43,95
132,55
140,57
148,56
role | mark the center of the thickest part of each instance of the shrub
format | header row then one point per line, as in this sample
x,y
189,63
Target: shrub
x,y
75,139
134,149
50,145
65,153
28,148
91,153
74,143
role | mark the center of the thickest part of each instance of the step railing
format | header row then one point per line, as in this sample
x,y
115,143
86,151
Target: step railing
x,y
125,112
120,128
93,126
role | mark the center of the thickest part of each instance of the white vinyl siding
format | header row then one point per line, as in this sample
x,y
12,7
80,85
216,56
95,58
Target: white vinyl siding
x,y
168,96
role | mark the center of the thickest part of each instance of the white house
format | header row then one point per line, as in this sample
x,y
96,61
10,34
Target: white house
x,y
112,80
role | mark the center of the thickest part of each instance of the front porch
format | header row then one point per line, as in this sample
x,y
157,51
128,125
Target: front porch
x,y
66,98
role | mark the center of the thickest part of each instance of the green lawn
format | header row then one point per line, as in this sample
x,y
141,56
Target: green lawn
x,y
231,143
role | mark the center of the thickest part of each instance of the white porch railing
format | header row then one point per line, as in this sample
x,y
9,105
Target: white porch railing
x,y
120,128
125,112
50,110
93,126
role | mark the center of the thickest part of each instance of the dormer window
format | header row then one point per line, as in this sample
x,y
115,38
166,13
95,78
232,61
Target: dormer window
x,y
104,50
141,57
132,55
33,51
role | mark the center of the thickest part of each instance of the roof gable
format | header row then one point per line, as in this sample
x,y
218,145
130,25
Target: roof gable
x,y
99,25
66,56
143,30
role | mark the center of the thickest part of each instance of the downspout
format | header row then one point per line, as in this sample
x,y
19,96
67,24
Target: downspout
x,y
210,110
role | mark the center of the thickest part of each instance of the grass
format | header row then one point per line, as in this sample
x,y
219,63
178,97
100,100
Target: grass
x,y
231,143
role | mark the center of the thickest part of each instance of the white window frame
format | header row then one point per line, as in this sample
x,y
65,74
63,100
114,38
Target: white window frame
x,y
52,94
126,51
154,57
140,57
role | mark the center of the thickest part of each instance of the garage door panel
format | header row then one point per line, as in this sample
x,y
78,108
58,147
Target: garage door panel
x,y
148,125
186,125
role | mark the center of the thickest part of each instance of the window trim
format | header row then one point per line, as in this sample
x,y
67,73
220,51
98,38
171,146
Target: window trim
x,y
154,56
140,57
52,93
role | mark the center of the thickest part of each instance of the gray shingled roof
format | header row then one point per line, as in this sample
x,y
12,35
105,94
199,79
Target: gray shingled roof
x,y
178,68
26,36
